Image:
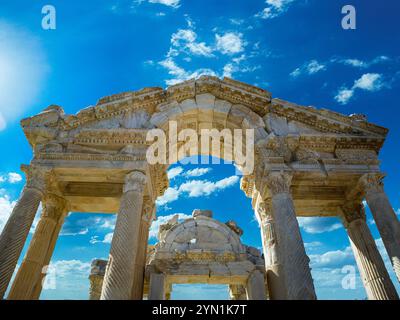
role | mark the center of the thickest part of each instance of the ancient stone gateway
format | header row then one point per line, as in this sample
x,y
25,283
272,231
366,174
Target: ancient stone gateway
x,y
197,250
308,162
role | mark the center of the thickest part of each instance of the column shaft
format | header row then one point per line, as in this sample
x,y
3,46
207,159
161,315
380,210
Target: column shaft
x,y
28,281
140,262
119,275
255,288
384,216
15,232
157,286
372,269
295,262
274,273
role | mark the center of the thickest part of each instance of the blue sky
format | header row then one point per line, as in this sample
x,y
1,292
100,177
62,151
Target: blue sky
x,y
296,49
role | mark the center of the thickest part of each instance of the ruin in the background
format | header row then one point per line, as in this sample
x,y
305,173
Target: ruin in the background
x,y
197,250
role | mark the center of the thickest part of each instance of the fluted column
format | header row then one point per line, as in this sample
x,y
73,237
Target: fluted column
x,y
295,262
30,274
372,269
384,216
140,261
273,265
15,232
119,275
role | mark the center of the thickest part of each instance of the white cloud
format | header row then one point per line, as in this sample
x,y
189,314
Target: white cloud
x,y
169,3
179,74
274,9
314,66
332,259
82,226
185,40
230,43
316,225
309,68
23,70
368,82
357,63
63,268
79,232
6,207
14,177
170,195
197,172
196,188
107,239
163,219
174,172
344,95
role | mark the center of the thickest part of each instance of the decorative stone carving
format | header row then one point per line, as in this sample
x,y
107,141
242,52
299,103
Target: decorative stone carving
x,y
279,182
353,210
135,181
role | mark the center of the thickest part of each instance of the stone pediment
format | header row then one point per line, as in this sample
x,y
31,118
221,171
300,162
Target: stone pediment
x,y
131,111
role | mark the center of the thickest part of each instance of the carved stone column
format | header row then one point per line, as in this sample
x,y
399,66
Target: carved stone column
x,y
30,274
384,216
140,262
273,266
119,275
295,262
372,269
15,232
157,286
255,287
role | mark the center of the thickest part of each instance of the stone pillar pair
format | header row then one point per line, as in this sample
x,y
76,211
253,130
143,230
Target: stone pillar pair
x,y
372,269
287,264
27,284
384,216
15,232
124,273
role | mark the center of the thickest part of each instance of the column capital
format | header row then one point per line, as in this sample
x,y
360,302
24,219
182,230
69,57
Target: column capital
x,y
54,206
352,211
135,181
37,177
278,182
371,183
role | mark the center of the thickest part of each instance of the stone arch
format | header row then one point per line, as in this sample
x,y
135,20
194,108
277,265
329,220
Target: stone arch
x,y
206,111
